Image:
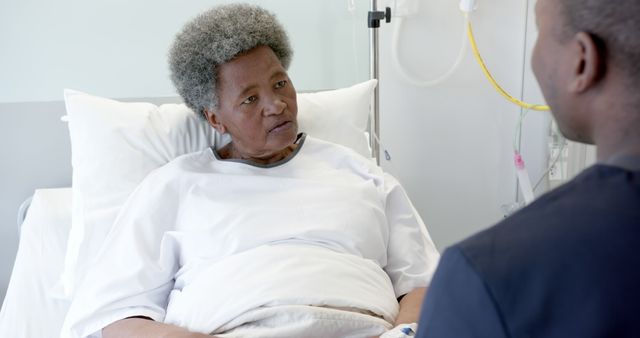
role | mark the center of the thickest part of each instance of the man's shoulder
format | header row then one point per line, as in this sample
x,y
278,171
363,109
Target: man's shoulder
x,y
577,240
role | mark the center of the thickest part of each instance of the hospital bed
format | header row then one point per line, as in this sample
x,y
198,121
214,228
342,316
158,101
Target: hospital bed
x,y
32,306
28,309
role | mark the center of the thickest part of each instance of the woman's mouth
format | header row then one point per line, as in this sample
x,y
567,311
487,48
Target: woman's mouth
x,y
284,126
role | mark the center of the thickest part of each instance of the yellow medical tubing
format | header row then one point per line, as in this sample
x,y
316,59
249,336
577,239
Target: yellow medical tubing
x,y
495,84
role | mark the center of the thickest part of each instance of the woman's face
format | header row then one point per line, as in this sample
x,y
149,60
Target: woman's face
x,y
257,104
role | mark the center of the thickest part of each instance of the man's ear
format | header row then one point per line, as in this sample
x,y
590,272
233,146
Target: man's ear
x,y
213,120
588,67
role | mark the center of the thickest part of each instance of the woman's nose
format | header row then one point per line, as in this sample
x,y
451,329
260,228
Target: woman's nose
x,y
274,106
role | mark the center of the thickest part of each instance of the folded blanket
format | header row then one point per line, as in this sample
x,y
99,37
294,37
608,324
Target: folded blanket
x,y
303,321
218,296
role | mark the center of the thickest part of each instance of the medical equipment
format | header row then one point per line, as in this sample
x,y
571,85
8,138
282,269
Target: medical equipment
x,y
437,79
559,151
401,8
467,7
523,178
524,182
402,331
374,19
407,8
555,173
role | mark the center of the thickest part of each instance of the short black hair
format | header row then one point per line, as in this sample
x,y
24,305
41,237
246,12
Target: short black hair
x,y
614,24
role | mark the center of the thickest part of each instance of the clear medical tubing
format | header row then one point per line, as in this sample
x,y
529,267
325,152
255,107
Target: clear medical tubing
x,y
523,178
493,82
437,80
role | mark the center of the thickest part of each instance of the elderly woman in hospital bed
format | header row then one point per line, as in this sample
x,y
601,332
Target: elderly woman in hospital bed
x,y
275,234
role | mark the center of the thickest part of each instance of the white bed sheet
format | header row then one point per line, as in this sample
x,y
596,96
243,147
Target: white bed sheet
x,y
29,310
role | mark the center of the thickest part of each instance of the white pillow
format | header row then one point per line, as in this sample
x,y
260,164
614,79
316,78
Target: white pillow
x,y
339,116
114,145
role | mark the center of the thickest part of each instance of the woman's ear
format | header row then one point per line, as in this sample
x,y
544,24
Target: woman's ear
x,y
213,120
587,65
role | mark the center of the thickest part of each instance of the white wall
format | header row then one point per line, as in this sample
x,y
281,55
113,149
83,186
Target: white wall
x,y
118,48
451,145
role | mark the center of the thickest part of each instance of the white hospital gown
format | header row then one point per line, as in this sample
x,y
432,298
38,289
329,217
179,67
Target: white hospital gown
x,y
203,241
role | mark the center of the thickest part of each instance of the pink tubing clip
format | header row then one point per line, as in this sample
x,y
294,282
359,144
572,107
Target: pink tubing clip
x,y
517,158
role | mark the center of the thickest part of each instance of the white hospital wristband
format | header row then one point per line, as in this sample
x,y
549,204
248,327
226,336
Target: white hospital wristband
x,y
401,331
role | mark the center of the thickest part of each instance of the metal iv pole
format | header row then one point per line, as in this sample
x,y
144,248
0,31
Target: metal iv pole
x,y
374,18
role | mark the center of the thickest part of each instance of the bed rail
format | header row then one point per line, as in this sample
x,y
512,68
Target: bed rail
x,y
22,212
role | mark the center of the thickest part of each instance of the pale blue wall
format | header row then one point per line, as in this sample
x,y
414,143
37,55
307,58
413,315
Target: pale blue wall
x,y
118,48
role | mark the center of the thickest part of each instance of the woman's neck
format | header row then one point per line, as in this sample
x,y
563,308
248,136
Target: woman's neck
x,y
231,152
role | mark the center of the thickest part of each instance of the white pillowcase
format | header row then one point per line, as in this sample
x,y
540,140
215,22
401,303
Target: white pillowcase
x,y
114,145
339,116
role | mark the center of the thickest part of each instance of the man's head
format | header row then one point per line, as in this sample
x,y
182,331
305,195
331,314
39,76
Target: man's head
x,y
587,60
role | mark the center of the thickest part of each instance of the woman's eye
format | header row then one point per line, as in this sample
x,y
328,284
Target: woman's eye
x,y
281,84
249,100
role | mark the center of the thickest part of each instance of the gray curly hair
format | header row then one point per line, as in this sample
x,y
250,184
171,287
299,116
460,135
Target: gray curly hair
x,y
215,37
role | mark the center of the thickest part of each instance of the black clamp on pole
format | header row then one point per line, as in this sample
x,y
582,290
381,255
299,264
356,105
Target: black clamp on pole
x,y
375,17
